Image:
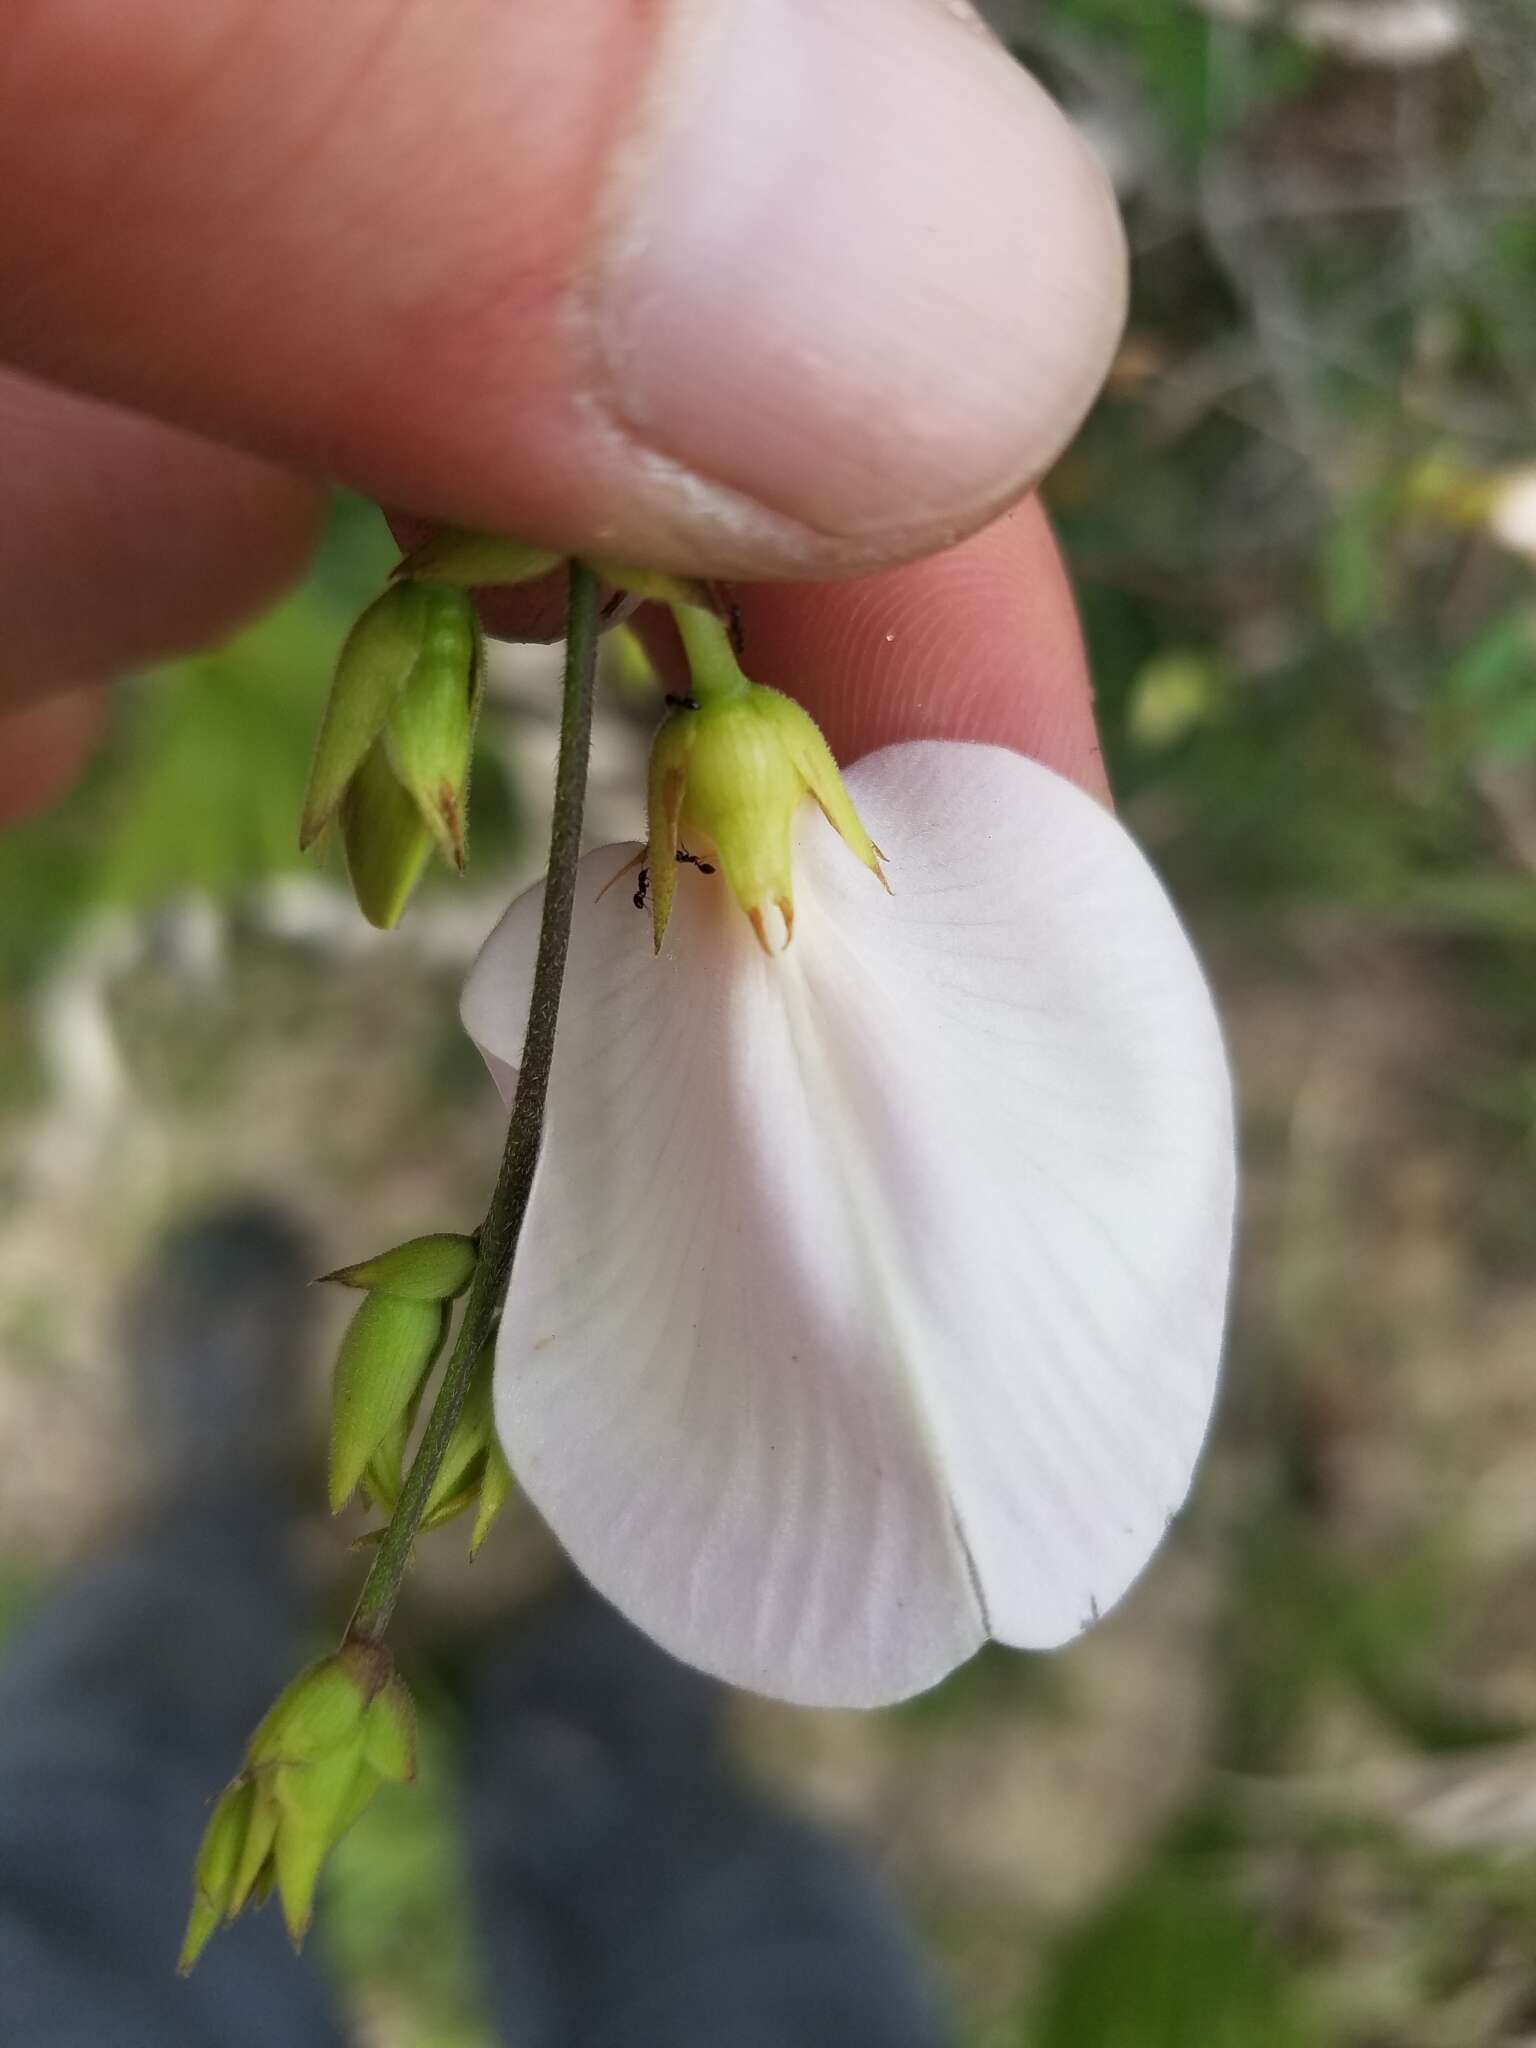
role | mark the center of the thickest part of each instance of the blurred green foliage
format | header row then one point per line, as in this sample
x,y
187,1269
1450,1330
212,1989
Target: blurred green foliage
x,y
1316,674
1172,1961
199,784
1331,363
396,1921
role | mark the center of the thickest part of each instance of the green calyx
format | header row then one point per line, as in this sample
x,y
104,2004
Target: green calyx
x,y
462,557
385,1357
469,559
342,1728
432,1268
730,767
474,1472
393,757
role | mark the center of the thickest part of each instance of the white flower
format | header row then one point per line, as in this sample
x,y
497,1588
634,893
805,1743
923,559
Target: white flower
x,y
870,1298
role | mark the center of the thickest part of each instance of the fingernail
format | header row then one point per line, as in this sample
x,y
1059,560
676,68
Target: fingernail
x,y
860,269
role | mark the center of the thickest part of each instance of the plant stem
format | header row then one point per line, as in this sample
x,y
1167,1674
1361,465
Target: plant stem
x,y
509,1202
715,674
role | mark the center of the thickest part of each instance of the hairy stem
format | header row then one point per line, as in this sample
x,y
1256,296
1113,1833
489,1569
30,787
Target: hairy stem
x,y
715,673
509,1202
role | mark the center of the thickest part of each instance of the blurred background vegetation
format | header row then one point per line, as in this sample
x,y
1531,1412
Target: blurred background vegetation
x,y
1288,1793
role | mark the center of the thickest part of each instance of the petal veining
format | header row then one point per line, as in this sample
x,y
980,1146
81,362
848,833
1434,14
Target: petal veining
x,y
870,1298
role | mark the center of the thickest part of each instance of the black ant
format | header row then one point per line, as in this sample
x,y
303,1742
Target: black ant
x,y
684,859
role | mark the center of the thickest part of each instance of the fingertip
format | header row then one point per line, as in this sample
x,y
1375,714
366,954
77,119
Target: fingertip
x,y
883,319
130,541
794,288
980,642
44,748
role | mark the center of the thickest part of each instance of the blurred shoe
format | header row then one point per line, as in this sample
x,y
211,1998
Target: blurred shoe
x,y
215,1342
633,1894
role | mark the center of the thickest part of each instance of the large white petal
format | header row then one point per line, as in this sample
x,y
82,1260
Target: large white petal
x,y
870,1299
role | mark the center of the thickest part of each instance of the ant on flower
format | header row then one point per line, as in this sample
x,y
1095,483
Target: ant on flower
x,y
684,859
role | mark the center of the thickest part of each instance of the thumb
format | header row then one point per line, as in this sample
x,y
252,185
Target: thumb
x,y
750,287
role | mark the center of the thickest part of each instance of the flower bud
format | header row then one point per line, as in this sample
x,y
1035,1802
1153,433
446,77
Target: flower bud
x,y
386,842
433,1268
341,1729
727,776
316,1715
234,1863
377,660
392,760
628,670
385,1356
429,734
458,1476
317,1803
656,586
389,1738
474,1472
469,560
495,1492
383,1477
218,1861
457,555
254,1874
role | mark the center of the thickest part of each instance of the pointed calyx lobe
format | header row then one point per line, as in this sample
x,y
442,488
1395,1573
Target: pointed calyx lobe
x,y
871,1296
392,759
729,768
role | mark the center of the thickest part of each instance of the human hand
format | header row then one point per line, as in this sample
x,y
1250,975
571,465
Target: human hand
x,y
783,290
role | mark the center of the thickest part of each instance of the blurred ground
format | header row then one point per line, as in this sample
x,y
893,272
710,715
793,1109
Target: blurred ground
x,y
1288,1792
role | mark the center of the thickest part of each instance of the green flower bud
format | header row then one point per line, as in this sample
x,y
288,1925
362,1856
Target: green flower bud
x,y
338,1745
455,1504
203,1922
429,735
389,1736
628,670
384,1475
378,659
456,555
386,842
385,1356
317,1715
458,1476
655,585
218,1861
729,769
422,1269
392,760
254,1873
495,1492
341,1729
460,556
317,1803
